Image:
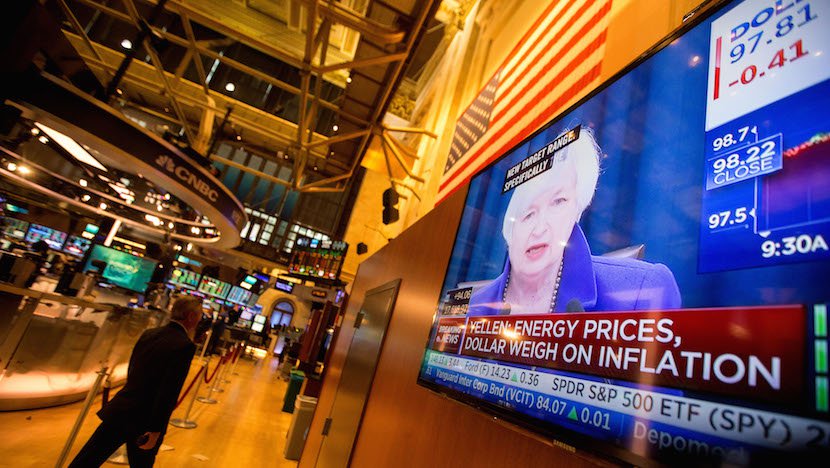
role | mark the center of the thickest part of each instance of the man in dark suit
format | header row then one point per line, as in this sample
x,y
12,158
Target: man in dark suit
x,y
138,414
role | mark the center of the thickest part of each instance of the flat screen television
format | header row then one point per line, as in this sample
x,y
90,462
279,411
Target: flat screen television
x,y
646,275
77,246
52,237
214,287
239,295
184,278
15,228
320,259
259,323
284,286
123,270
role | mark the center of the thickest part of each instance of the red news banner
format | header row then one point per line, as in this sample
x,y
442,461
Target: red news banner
x,y
752,353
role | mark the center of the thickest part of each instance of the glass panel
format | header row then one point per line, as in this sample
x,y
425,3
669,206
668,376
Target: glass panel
x,y
254,231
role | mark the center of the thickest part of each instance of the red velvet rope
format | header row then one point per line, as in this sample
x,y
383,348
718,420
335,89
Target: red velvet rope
x,y
215,370
189,387
236,352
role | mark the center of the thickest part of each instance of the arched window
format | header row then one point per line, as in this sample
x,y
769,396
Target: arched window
x,y
282,314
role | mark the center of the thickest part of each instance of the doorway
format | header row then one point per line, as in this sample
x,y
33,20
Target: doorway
x,y
341,426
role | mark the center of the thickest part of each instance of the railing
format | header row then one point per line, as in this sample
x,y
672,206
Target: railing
x,y
51,346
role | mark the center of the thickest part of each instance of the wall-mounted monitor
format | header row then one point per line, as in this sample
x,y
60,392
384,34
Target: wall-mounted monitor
x,y
122,269
184,278
214,287
646,275
284,286
15,228
239,295
77,246
259,323
52,237
317,259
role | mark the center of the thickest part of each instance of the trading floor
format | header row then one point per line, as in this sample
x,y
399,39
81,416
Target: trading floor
x,y
245,428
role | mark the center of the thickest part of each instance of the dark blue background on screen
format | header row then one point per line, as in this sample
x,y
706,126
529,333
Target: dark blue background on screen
x,y
650,127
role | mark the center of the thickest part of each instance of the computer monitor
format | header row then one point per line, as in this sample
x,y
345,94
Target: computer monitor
x,y
77,246
52,237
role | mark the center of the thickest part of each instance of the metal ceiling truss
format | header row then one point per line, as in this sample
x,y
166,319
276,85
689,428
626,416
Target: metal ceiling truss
x,y
390,48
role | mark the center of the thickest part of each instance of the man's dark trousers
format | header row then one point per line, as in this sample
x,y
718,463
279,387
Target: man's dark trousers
x,y
158,368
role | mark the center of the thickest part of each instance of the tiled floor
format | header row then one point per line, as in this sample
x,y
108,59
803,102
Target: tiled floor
x,y
245,429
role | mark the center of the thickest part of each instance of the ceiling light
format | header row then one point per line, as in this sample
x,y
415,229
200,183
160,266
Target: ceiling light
x,y
159,208
189,246
315,167
195,230
71,146
35,131
127,44
85,198
83,182
167,196
348,79
239,138
230,87
43,140
24,170
103,206
335,128
12,166
171,225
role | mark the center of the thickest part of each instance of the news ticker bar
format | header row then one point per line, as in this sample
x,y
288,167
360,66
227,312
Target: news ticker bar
x,y
535,392
820,353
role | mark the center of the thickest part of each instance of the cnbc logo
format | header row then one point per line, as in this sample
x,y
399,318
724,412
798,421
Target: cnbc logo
x,y
187,177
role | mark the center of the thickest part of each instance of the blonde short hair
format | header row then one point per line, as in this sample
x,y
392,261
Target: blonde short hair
x,y
585,155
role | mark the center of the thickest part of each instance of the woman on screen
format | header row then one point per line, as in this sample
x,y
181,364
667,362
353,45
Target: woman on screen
x,y
550,267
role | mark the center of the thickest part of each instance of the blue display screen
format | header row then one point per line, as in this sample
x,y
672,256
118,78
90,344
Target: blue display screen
x,y
651,266
122,269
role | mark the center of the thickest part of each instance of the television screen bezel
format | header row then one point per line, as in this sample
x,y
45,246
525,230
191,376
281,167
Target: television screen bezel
x,y
185,285
515,420
202,278
31,225
88,266
69,238
230,293
25,231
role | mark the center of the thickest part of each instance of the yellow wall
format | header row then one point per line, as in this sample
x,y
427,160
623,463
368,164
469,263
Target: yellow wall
x,y
453,79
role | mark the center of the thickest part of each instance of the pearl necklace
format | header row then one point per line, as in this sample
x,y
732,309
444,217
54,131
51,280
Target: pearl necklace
x,y
555,287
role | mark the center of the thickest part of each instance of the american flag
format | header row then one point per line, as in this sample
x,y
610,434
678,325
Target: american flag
x,y
473,123
557,61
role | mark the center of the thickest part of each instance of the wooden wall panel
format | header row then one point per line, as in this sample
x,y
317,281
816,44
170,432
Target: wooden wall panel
x,y
405,424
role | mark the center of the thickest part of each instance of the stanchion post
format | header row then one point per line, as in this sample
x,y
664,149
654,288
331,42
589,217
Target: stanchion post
x,y
209,400
239,355
226,380
119,457
224,372
207,339
186,422
90,397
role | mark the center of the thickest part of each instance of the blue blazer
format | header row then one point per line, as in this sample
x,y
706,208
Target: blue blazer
x,y
592,283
